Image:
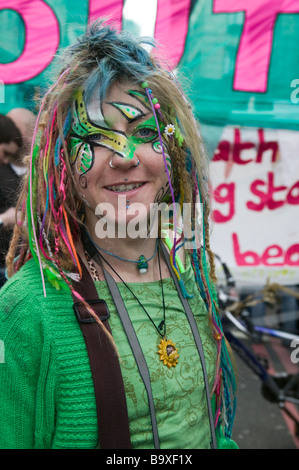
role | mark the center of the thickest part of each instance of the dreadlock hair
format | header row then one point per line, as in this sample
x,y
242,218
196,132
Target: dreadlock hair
x,y
49,228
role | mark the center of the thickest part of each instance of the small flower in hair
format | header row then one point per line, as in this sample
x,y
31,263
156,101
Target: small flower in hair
x,y
169,130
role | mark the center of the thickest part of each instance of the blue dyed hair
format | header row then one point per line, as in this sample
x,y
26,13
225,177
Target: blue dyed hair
x,y
108,56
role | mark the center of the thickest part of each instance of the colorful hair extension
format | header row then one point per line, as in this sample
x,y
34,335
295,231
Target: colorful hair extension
x,y
54,202
174,247
224,368
31,222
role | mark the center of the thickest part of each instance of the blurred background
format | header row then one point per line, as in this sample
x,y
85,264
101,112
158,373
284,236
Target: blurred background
x,y
238,63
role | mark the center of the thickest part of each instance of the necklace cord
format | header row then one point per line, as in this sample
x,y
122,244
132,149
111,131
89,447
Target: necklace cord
x,y
124,259
135,346
199,346
163,323
134,343
163,299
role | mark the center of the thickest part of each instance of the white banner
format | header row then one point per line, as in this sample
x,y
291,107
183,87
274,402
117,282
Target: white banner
x,y
255,202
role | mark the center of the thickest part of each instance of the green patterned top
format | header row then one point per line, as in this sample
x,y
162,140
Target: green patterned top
x,y
47,393
178,392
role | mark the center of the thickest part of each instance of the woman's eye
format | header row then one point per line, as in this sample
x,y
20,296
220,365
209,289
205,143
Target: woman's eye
x,y
95,137
145,132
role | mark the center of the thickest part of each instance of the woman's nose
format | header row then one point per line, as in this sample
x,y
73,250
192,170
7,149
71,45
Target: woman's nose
x,y
117,161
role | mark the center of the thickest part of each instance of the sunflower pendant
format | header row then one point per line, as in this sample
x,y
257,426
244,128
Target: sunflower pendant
x,y
168,353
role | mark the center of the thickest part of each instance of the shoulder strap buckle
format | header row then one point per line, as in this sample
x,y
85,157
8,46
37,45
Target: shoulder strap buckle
x,y
99,306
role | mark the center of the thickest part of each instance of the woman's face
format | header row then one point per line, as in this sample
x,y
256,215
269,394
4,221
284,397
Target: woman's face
x,y
108,139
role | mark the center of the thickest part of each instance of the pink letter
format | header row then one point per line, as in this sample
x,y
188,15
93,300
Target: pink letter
x,y
292,256
225,192
41,41
248,258
293,194
171,29
222,151
264,146
110,10
255,47
238,147
273,251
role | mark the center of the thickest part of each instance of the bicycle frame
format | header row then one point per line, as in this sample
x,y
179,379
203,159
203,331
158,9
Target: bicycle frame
x,y
270,387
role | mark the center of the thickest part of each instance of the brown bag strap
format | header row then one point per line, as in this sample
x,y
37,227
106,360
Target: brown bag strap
x,y
112,414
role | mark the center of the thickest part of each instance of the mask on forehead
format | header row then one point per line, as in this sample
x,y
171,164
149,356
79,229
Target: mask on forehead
x,y
90,129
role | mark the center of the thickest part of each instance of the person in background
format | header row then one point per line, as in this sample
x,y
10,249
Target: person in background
x,y
24,120
20,122
10,139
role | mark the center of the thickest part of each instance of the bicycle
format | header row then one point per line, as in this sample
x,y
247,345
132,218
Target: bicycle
x,y
281,388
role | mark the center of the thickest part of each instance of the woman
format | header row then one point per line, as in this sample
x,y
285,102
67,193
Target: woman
x,y
111,331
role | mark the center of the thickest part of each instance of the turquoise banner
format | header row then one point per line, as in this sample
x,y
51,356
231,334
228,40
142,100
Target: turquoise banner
x,y
243,60
240,58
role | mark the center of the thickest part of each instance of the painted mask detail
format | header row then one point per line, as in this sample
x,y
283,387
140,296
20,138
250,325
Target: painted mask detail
x,y
90,129
128,111
141,97
85,135
157,148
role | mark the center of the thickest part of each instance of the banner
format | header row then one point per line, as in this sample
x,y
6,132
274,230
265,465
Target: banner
x,y
243,61
240,58
255,200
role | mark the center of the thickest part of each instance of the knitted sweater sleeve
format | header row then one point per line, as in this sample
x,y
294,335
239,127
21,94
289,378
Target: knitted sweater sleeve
x,y
24,356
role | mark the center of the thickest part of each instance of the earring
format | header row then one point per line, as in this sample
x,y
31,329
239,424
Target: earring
x,y
111,164
137,164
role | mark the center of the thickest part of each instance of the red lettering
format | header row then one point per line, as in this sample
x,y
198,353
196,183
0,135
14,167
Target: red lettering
x,y
248,258
264,146
266,198
239,147
272,204
257,192
222,151
273,251
292,252
291,198
224,148
251,258
224,193
40,22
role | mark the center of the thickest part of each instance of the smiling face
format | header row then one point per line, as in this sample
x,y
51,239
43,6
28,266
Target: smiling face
x,y
123,129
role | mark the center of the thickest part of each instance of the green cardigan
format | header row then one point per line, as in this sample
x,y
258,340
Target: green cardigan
x,y
47,395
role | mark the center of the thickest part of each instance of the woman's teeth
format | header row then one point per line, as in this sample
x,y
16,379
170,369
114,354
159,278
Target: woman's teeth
x,y
124,187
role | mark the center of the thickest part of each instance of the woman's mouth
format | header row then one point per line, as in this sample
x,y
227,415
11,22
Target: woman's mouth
x,y
123,188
